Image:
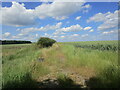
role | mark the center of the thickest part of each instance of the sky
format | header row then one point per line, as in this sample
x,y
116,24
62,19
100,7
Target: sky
x,y
62,21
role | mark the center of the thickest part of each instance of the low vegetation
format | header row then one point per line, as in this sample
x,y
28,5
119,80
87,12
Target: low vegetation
x,y
65,63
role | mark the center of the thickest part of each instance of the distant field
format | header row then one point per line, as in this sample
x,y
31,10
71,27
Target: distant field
x,y
100,45
96,42
10,45
22,66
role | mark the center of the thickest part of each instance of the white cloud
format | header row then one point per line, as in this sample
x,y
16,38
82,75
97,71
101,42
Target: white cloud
x,y
62,36
30,37
21,34
45,28
97,18
18,15
16,37
58,10
63,33
87,6
85,35
109,20
25,32
58,32
75,35
36,35
91,30
87,28
55,36
7,34
110,32
77,18
72,28
46,34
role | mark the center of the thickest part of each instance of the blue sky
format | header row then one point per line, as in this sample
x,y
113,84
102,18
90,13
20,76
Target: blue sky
x,y
62,21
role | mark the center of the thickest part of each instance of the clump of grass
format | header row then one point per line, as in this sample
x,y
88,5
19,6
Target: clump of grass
x,y
38,70
109,77
24,81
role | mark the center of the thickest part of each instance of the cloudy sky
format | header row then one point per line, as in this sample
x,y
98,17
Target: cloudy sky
x,y
62,21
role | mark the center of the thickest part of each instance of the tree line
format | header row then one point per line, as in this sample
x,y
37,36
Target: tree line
x,y
14,42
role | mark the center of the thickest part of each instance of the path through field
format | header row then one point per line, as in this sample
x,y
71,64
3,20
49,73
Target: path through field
x,y
77,77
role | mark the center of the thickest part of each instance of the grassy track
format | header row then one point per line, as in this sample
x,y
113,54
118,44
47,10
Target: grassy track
x,y
21,62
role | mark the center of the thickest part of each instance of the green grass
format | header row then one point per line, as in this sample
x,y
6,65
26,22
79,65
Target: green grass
x,y
89,57
19,61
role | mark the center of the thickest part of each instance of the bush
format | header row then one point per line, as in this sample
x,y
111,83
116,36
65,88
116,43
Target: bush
x,y
45,42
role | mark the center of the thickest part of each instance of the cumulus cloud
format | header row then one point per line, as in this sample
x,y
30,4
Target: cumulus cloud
x,y
58,10
6,34
87,28
26,32
36,35
97,18
64,30
18,15
110,32
77,18
75,35
91,30
45,28
109,20
62,36
31,37
85,35
72,28
86,8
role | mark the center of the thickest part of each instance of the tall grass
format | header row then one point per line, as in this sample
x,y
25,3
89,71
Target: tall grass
x,y
109,77
21,62
101,65
86,57
105,64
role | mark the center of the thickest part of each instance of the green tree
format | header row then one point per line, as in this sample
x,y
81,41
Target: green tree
x,y
45,42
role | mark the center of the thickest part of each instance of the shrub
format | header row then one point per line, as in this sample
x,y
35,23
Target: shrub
x,y
45,42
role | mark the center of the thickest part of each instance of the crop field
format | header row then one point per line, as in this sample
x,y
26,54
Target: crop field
x,y
99,45
92,64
